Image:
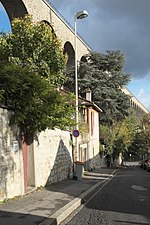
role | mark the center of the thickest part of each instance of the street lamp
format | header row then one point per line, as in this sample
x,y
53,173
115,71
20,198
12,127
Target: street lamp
x,y
79,15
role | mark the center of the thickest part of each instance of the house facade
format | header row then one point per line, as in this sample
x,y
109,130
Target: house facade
x,y
89,139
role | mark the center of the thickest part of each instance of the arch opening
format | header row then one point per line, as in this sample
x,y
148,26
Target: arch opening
x,y
68,48
5,24
50,26
14,8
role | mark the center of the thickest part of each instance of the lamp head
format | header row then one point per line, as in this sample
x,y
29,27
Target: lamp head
x,y
81,15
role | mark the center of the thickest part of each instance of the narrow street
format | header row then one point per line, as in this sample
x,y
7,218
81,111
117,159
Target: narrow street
x,y
124,200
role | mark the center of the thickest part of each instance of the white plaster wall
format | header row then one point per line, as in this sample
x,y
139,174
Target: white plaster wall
x,y
96,125
45,153
15,177
94,139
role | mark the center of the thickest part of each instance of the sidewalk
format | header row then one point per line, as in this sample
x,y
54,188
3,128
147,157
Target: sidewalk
x,y
55,202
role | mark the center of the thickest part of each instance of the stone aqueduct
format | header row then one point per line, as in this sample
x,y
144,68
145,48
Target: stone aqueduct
x,y
42,10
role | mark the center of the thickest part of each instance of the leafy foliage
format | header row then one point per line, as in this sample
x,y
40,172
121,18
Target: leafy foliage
x,y
120,135
146,121
107,137
37,104
31,69
34,45
139,146
128,128
103,74
141,142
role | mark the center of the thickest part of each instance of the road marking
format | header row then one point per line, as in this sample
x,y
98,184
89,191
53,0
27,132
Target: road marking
x,y
138,188
142,198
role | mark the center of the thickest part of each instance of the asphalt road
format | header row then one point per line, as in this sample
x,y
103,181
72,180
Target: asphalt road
x,y
125,200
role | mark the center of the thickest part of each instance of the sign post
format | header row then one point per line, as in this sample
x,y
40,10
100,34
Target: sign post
x,y
76,133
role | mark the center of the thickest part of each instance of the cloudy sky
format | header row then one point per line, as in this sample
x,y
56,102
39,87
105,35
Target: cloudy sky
x,y
114,24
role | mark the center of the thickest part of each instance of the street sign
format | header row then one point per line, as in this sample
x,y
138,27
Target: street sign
x,y
76,133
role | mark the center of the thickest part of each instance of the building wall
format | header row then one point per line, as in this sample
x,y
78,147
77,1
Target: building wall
x,y
89,141
11,162
52,156
94,132
94,138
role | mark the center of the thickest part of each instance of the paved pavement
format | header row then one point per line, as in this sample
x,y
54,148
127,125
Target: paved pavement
x,y
55,202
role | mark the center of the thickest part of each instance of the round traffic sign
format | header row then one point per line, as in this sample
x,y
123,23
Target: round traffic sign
x,y
76,133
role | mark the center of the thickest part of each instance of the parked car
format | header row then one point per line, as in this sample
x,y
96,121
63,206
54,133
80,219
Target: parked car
x,y
144,164
148,165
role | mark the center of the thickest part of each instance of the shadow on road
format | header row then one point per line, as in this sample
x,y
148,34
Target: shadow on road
x,y
11,218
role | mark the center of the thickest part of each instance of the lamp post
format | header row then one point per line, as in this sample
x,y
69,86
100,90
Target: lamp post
x,y
79,15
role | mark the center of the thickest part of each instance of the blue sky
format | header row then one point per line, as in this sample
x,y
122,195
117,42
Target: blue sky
x,y
4,20
112,24
141,89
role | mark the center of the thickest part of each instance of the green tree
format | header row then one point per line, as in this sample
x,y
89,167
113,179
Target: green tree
x,y
125,132
36,46
146,121
141,142
103,74
31,70
120,135
107,136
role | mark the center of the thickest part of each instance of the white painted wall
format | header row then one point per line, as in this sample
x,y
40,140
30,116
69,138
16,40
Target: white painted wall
x,y
53,157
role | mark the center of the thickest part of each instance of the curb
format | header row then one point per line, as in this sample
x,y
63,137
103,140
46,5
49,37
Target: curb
x,y
65,211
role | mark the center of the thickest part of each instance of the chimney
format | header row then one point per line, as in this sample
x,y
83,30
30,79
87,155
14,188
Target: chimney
x,y
88,94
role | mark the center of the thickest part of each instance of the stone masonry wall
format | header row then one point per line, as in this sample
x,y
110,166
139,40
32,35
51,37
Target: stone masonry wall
x,y
95,161
41,10
53,157
11,171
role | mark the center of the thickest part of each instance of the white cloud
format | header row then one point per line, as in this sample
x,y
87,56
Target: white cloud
x,y
140,93
1,7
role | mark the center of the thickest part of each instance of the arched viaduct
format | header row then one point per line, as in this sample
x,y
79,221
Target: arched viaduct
x,y
42,10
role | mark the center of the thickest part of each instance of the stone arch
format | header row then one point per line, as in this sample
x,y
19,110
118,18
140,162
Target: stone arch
x,y
68,48
83,59
52,29
14,8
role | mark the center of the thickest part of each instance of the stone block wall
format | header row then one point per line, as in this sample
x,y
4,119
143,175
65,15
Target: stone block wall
x,y
62,167
11,169
52,157
3,174
41,10
95,162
